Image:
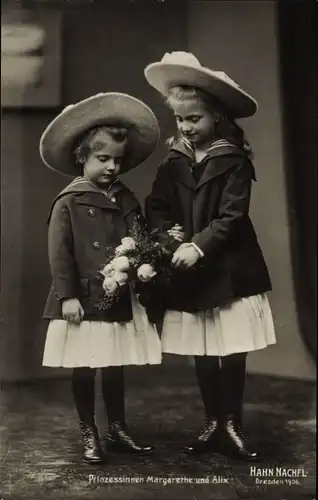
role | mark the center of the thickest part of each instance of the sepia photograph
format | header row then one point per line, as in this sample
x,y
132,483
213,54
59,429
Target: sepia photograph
x,y
158,326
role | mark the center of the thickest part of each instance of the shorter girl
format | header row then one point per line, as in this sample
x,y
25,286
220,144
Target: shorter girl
x,y
96,139
216,308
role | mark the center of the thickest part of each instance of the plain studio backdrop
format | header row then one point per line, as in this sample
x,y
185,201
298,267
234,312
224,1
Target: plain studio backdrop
x,y
105,46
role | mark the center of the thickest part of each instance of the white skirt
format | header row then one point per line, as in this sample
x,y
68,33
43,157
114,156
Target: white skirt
x,y
243,325
98,344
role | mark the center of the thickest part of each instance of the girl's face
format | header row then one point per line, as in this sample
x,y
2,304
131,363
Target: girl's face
x,y
194,121
105,159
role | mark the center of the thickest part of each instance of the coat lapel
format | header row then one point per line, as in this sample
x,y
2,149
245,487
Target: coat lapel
x,y
98,200
182,173
88,194
219,161
183,150
182,154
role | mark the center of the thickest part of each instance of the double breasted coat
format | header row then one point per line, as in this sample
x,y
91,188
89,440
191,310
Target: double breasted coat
x,y
215,215
83,225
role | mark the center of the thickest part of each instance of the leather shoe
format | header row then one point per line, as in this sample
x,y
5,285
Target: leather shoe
x,y
92,450
233,442
119,440
207,439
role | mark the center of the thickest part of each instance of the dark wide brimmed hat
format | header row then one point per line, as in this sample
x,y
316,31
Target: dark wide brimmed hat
x,y
59,140
183,68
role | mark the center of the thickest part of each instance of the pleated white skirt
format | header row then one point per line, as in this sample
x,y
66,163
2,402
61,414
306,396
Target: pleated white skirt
x,y
97,344
244,325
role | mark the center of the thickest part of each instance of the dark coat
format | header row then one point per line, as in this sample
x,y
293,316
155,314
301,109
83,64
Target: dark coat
x,y
214,214
83,224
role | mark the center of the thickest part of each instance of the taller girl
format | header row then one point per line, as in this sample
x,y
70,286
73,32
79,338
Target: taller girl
x,y
216,308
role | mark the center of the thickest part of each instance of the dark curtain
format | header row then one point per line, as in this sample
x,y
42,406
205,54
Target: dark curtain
x,y
298,65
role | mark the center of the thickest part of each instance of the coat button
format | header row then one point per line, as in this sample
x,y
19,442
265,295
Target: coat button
x,y
96,245
92,212
113,199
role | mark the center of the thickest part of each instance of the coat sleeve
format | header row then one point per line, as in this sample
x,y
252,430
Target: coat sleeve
x,y
157,210
61,255
234,206
134,212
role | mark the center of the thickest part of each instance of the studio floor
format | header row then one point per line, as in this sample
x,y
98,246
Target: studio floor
x,y
41,450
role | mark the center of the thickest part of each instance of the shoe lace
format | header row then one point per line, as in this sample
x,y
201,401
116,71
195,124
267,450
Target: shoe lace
x,y
208,428
237,433
122,433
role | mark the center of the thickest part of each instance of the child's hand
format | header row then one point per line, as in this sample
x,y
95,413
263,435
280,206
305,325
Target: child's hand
x,y
176,232
72,311
185,256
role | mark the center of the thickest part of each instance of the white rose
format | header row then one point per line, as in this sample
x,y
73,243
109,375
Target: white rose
x,y
108,270
110,286
120,263
146,272
120,278
128,243
120,250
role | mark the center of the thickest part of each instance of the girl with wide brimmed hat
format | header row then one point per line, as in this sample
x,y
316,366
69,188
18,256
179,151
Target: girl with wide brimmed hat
x,y
94,141
216,308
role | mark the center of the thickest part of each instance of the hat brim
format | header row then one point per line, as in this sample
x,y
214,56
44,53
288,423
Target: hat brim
x,y
59,139
164,76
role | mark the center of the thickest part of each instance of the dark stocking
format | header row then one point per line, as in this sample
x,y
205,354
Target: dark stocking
x,y
83,381
208,375
113,388
233,384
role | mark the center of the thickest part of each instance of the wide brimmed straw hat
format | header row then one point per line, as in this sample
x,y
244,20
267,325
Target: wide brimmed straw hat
x,y
183,68
58,141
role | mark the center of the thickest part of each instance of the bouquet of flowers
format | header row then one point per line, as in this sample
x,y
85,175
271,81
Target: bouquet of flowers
x,y
139,259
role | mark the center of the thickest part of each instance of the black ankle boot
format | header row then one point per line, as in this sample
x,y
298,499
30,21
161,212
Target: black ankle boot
x,y
119,440
233,442
207,439
92,449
